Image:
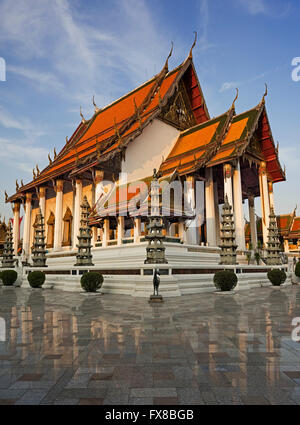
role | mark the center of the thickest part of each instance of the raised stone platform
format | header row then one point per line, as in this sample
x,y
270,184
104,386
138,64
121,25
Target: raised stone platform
x,y
190,270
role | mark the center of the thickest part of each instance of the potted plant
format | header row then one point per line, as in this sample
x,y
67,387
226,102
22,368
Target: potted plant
x,y
225,280
277,277
91,281
9,277
36,279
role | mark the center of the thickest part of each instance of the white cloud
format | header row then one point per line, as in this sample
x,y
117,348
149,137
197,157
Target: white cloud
x,y
76,58
254,7
266,7
43,80
229,85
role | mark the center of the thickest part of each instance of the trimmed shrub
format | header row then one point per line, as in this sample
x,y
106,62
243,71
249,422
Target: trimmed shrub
x,y
36,279
91,281
9,277
297,269
225,280
277,277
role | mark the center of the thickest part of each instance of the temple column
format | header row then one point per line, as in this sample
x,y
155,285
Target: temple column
x,y
253,228
77,211
238,208
181,231
58,215
105,236
121,230
271,194
42,199
264,198
192,236
286,245
210,208
27,224
99,175
217,214
137,230
16,226
227,171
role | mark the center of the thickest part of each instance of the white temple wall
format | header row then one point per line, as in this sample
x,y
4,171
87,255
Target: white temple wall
x,y
146,151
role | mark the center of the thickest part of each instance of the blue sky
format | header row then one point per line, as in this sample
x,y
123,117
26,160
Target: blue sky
x,y
60,53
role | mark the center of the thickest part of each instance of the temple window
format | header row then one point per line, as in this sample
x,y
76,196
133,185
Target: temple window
x,y
67,221
50,230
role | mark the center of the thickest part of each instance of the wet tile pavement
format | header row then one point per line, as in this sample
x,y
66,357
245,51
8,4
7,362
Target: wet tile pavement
x,y
66,348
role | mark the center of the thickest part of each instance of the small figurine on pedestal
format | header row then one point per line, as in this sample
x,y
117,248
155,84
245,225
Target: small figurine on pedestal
x,y
156,298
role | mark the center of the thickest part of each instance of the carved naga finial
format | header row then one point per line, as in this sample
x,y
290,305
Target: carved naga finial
x,y
50,160
117,134
6,198
265,94
166,67
137,112
37,170
82,117
33,173
22,184
17,186
67,140
193,45
54,152
235,99
96,109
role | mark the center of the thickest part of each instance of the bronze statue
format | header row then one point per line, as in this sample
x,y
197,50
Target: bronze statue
x,y
156,282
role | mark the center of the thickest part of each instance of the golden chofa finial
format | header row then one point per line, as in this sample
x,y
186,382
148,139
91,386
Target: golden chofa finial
x,y
265,94
37,170
96,109
170,54
54,152
193,45
17,186
235,99
6,198
67,140
82,117
22,184
33,174
50,160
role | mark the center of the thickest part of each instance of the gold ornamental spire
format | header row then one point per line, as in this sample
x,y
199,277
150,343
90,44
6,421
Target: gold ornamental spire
x,y
193,45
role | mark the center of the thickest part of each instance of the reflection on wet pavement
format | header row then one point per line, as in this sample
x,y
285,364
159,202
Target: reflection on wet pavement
x,y
67,348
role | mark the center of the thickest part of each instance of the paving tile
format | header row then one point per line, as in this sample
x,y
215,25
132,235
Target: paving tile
x,y
30,377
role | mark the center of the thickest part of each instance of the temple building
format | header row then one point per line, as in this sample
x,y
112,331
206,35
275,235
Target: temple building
x,y
289,232
163,124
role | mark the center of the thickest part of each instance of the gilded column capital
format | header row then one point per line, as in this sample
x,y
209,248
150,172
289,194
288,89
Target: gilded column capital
x,y
28,197
270,186
59,185
262,168
16,207
99,176
227,170
42,191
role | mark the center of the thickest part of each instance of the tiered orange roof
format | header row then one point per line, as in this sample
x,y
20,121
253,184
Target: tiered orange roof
x,y
223,139
295,230
113,127
195,145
